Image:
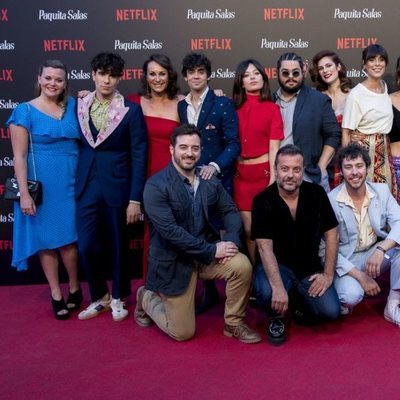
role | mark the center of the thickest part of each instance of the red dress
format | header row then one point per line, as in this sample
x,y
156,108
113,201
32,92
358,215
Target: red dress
x,y
159,132
259,122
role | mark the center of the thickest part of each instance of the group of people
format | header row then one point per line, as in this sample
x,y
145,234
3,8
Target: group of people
x,y
214,167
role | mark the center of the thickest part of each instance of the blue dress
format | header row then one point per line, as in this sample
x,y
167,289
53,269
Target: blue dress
x,y
55,148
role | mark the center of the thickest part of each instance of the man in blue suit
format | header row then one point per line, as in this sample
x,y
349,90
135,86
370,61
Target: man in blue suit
x,y
216,119
184,245
369,234
308,119
109,184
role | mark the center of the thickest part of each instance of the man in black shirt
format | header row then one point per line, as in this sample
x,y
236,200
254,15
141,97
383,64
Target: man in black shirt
x,y
289,218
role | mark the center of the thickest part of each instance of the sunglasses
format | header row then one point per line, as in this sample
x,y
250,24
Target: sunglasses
x,y
294,74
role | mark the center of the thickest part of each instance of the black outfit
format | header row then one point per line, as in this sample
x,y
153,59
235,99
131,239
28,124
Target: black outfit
x,y
296,242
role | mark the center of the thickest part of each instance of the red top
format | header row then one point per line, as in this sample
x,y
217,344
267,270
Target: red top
x,y
259,122
159,131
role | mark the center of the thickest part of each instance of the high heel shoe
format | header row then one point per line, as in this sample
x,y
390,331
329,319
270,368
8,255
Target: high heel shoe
x,y
59,308
74,300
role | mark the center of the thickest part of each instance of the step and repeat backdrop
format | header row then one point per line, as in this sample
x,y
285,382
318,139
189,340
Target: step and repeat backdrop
x,y
227,31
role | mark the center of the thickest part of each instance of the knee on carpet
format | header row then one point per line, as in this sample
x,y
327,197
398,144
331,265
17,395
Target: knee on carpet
x,y
182,335
331,312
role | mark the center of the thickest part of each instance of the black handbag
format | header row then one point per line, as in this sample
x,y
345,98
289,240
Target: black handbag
x,y
34,186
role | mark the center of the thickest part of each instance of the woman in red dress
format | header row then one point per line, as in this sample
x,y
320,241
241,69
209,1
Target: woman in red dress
x,y
159,99
260,133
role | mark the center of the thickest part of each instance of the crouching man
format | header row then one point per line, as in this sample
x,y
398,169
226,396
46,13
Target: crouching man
x,y
184,246
369,234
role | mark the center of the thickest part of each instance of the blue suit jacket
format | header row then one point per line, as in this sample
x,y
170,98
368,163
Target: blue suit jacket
x,y
218,124
314,126
119,162
173,246
384,215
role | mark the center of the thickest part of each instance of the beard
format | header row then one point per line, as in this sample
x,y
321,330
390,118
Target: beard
x,y
291,89
185,167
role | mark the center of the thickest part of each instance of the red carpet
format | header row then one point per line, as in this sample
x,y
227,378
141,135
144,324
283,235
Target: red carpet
x,y
41,358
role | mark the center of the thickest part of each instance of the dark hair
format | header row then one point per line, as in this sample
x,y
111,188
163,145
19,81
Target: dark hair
x,y
62,98
397,73
288,150
108,62
164,61
195,60
184,129
351,152
239,93
289,57
374,50
345,82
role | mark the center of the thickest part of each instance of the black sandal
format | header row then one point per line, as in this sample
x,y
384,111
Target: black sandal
x,y
74,300
58,307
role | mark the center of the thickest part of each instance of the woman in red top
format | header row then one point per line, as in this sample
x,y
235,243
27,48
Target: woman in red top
x,y
260,133
159,100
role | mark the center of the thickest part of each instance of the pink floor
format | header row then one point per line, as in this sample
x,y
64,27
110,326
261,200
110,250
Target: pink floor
x,y
41,358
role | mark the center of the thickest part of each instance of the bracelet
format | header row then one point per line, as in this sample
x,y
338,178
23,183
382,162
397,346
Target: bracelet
x,y
381,249
134,202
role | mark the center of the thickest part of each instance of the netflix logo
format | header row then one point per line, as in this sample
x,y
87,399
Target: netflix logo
x,y
136,14
132,74
64,45
3,15
283,13
6,75
211,44
271,72
6,245
5,133
354,42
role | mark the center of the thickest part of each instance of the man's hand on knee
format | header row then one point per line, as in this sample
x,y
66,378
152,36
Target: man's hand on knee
x,y
225,251
370,286
320,284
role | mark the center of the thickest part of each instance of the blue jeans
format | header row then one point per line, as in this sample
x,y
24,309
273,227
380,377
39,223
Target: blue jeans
x,y
325,307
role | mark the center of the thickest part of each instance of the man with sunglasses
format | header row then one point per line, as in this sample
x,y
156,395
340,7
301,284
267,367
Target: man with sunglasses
x,y
308,118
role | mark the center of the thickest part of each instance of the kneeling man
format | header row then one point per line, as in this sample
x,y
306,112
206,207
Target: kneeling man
x,y
289,218
184,246
369,234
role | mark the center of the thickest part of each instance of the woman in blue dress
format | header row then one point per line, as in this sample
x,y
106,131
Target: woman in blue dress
x,y
47,229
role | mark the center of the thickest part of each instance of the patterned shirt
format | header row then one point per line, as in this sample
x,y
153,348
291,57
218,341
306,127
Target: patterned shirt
x,y
98,113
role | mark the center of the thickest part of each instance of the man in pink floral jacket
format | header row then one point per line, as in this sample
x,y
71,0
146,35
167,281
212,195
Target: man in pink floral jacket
x,y
109,185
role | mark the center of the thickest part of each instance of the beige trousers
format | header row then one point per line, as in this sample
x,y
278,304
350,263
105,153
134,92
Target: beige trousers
x,y
175,314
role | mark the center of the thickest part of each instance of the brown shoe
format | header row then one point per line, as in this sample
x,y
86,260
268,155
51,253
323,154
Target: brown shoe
x,y
243,333
141,318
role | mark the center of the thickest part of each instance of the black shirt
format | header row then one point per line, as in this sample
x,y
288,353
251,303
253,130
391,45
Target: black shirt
x,y
295,242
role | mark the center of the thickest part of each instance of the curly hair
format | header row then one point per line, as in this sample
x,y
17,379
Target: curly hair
x,y
345,82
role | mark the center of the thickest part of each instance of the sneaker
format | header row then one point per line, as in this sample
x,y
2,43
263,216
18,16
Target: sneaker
x,y
96,308
392,312
243,333
118,310
141,318
276,332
